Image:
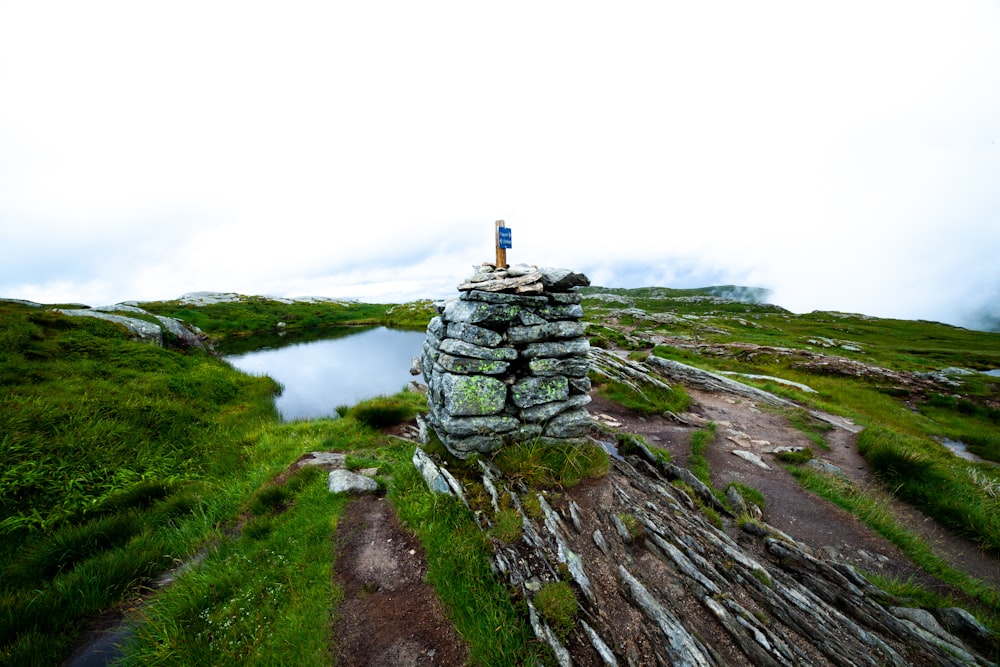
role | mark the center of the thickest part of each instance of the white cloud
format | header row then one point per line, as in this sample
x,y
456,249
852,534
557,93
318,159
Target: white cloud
x,y
843,155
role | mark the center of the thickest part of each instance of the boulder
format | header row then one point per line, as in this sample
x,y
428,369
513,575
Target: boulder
x,y
345,481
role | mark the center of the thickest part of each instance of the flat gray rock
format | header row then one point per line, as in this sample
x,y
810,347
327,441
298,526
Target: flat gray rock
x,y
345,481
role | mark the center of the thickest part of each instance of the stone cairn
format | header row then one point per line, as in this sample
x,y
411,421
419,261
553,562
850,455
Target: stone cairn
x,y
507,360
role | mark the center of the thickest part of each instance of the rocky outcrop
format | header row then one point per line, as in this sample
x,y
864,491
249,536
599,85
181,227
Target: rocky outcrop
x,y
660,581
144,326
665,573
211,298
507,359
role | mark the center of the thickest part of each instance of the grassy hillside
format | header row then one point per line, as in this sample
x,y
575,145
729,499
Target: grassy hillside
x,y
259,314
119,460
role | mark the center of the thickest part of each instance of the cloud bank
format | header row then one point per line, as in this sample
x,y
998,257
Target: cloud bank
x,y
842,156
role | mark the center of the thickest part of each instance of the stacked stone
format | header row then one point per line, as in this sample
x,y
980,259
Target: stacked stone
x,y
507,361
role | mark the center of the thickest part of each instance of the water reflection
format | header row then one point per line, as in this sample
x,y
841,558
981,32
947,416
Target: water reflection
x,y
961,450
344,367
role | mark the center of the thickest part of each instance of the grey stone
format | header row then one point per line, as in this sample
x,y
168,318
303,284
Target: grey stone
x,y
565,298
559,312
537,390
345,481
470,333
208,298
574,367
436,327
602,648
429,470
186,337
557,350
549,330
523,301
485,273
518,270
121,308
462,349
546,411
825,466
566,555
501,284
464,427
569,425
477,444
533,288
479,312
508,393
962,623
751,457
561,280
528,318
602,543
472,395
922,618
544,633
529,431
23,302
141,330
467,366
682,648
332,459
735,499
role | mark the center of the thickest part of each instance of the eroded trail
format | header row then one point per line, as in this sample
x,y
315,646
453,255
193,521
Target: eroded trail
x,y
390,614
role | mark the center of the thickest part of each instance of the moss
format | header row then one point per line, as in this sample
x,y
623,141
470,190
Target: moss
x,y
795,457
556,602
632,525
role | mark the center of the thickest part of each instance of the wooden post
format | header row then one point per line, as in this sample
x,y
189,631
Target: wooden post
x,y
501,252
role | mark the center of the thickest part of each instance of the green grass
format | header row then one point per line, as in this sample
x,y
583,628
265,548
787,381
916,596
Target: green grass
x,y
796,456
259,599
116,458
813,428
382,411
557,605
918,473
459,567
258,314
651,400
700,442
543,465
507,526
749,494
873,510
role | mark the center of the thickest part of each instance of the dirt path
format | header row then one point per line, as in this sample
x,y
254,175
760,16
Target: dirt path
x,y
790,508
390,614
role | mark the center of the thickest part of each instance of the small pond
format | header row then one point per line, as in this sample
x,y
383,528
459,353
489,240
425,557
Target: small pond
x,y
347,365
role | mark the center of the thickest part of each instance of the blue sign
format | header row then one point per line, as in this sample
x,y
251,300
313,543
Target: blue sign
x,y
503,237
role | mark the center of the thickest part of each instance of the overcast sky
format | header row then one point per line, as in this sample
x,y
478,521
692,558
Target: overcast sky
x,y
843,154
